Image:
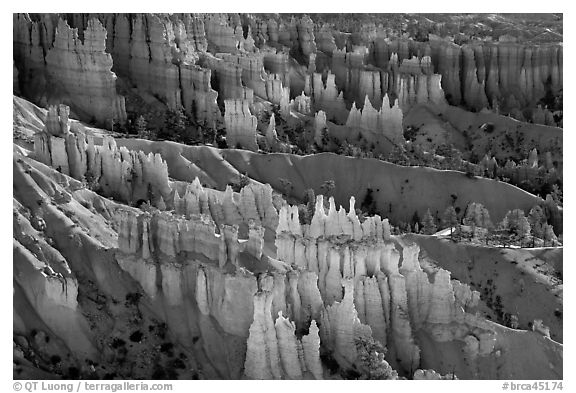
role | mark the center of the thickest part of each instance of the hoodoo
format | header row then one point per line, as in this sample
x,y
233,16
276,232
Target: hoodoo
x,y
273,196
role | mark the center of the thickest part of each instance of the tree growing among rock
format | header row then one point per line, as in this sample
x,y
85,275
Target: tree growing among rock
x,y
557,194
286,186
537,220
371,359
516,224
428,223
243,181
415,223
368,203
325,139
549,236
140,125
310,199
174,128
477,216
328,186
399,156
450,219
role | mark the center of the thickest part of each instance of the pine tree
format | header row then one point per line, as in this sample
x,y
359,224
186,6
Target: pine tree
x,y
398,156
140,125
477,216
485,221
325,139
328,186
371,356
557,194
450,219
408,228
286,185
150,194
537,220
471,217
516,223
428,223
368,203
310,204
415,219
174,128
549,235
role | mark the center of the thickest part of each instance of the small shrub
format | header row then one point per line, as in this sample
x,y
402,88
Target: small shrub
x,y
55,359
73,373
117,343
167,348
137,336
159,373
133,298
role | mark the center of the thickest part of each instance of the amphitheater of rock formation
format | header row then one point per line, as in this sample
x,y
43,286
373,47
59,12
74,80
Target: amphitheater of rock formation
x,y
277,196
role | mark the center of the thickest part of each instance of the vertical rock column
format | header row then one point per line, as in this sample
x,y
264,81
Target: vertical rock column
x,y
82,72
240,125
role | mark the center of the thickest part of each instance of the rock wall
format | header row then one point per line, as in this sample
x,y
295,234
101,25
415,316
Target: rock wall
x,y
366,83
320,127
325,41
275,90
252,71
278,63
413,66
159,55
131,176
390,292
273,351
252,205
222,37
419,89
288,33
339,278
126,175
154,51
240,125
15,80
385,122
150,64
514,75
305,29
83,71
326,97
476,74
199,254
195,32
162,233
274,144
351,74
198,97
57,120
191,259
229,76
30,40
341,326
302,104
50,296
56,65
253,76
